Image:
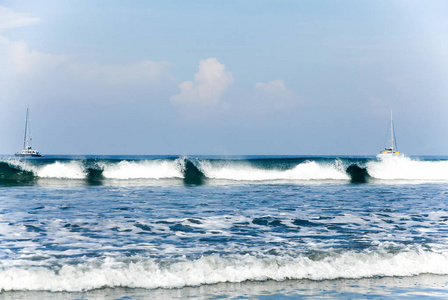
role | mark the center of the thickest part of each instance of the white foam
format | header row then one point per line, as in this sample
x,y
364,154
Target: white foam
x,y
140,272
71,170
408,169
66,170
309,170
156,169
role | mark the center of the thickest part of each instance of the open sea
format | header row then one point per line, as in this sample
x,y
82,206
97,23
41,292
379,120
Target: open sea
x,y
198,227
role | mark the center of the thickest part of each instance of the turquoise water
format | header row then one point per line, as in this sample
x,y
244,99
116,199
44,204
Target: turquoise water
x,y
211,227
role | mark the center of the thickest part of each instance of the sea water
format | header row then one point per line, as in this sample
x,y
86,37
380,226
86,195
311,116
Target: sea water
x,y
154,227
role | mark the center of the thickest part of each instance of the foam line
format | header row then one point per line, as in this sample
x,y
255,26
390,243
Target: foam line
x,y
139,272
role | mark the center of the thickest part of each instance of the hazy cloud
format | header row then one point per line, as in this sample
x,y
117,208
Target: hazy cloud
x,y
275,88
49,75
17,58
273,95
10,19
34,72
143,72
208,87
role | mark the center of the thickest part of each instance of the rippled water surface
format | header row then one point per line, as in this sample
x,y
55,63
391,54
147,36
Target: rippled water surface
x,y
249,227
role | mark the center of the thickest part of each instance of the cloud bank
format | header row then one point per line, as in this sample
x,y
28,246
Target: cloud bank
x,y
15,57
26,72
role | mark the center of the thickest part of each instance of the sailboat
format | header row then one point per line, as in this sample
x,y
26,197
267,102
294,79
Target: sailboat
x,y
28,151
392,150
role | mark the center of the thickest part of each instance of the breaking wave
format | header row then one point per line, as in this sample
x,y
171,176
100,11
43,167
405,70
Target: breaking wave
x,y
58,169
143,169
308,170
142,272
197,171
404,168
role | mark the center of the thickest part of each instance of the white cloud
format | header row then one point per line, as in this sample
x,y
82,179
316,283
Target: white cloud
x,y
208,87
10,19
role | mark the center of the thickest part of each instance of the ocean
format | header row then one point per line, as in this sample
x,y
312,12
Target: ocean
x,y
212,227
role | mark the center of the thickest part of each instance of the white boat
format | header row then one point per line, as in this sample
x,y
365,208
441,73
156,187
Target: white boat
x,y
392,150
28,151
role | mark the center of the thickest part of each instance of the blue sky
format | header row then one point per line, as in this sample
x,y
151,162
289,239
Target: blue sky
x,y
224,77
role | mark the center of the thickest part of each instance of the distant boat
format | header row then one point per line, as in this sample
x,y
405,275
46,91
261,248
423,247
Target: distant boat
x,y
28,151
392,150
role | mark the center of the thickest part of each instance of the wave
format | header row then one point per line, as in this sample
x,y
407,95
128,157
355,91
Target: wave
x,y
199,171
9,173
308,170
63,170
145,169
405,168
20,170
142,272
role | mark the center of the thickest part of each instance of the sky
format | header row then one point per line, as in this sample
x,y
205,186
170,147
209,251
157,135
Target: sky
x,y
224,77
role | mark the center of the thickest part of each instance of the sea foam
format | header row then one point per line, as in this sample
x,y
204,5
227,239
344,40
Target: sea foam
x,y
61,170
405,168
146,169
140,272
309,170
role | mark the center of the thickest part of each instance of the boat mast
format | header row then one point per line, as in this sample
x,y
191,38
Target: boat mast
x,y
26,137
392,140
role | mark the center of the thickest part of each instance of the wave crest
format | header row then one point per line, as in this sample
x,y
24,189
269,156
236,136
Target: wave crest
x,y
140,272
198,171
146,169
64,170
309,170
405,168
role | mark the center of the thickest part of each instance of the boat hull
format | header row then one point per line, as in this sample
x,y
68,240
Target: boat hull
x,y
28,155
387,155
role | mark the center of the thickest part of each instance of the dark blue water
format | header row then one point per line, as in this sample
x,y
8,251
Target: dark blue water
x,y
74,227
